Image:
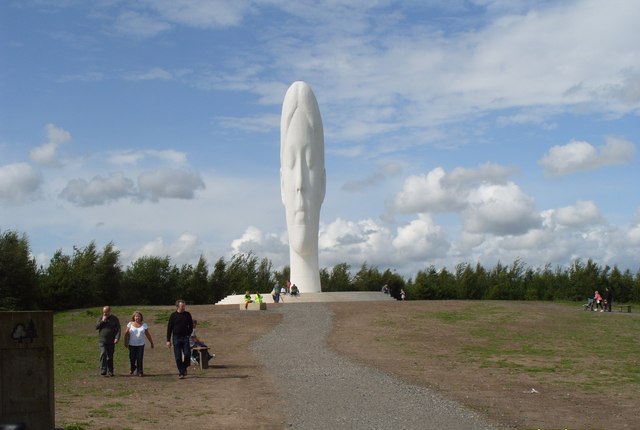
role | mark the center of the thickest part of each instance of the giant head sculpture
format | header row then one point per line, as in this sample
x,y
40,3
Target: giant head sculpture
x,y
302,181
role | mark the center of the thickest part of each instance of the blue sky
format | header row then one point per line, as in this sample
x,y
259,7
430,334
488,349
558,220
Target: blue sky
x,y
455,131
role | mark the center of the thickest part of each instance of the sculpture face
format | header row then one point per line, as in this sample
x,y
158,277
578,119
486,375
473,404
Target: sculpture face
x,y
302,172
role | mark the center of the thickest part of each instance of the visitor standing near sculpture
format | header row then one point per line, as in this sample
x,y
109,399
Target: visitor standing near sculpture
x,y
108,327
302,182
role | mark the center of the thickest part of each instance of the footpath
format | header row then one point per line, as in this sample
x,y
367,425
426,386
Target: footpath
x,y
323,390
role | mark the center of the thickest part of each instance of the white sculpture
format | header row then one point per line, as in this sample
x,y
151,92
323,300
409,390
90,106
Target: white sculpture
x,y
303,181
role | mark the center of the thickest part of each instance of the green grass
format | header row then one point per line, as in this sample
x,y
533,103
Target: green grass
x,y
554,342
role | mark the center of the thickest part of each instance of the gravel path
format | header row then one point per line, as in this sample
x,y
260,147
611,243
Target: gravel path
x,y
327,391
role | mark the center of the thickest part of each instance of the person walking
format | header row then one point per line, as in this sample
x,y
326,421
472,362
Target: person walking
x,y
609,298
179,328
108,327
134,340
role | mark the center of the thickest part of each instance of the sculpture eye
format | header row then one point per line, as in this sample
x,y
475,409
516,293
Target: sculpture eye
x,y
289,158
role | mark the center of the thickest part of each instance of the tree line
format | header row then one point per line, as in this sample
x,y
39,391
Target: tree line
x,y
92,277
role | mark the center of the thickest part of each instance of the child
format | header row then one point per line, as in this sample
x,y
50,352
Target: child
x,y
598,299
247,299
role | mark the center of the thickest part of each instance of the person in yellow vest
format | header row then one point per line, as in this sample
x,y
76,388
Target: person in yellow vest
x,y
247,299
258,298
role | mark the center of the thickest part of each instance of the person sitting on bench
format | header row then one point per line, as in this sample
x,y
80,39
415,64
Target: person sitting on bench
x,y
294,290
258,298
194,342
247,299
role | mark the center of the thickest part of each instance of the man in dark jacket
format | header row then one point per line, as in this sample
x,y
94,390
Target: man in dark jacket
x,y
180,327
108,327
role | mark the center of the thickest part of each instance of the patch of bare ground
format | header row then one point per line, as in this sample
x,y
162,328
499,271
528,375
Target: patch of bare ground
x,y
235,392
406,340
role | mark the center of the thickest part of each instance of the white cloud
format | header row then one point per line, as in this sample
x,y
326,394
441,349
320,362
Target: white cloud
x,y
98,190
582,156
18,183
363,241
184,250
581,214
135,157
428,193
500,210
45,154
441,192
421,240
169,183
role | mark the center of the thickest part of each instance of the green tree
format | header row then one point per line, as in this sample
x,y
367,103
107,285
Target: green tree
x,y
265,279
108,273
340,279
219,286
621,285
18,274
150,281
394,282
242,272
193,285
367,279
56,283
84,280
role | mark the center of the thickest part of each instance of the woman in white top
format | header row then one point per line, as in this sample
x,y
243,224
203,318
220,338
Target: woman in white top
x,y
134,340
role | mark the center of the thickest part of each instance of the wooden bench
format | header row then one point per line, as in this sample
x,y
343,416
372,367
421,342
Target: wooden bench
x,y
254,306
202,354
625,306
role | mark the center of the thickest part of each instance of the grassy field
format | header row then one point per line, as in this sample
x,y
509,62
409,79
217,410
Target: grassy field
x,y
487,355
525,364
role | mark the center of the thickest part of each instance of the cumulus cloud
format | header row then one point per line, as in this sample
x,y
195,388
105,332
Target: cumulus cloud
x,y
99,190
18,182
428,193
46,154
169,183
364,240
582,156
265,245
441,192
421,239
184,250
162,183
583,213
251,237
500,210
